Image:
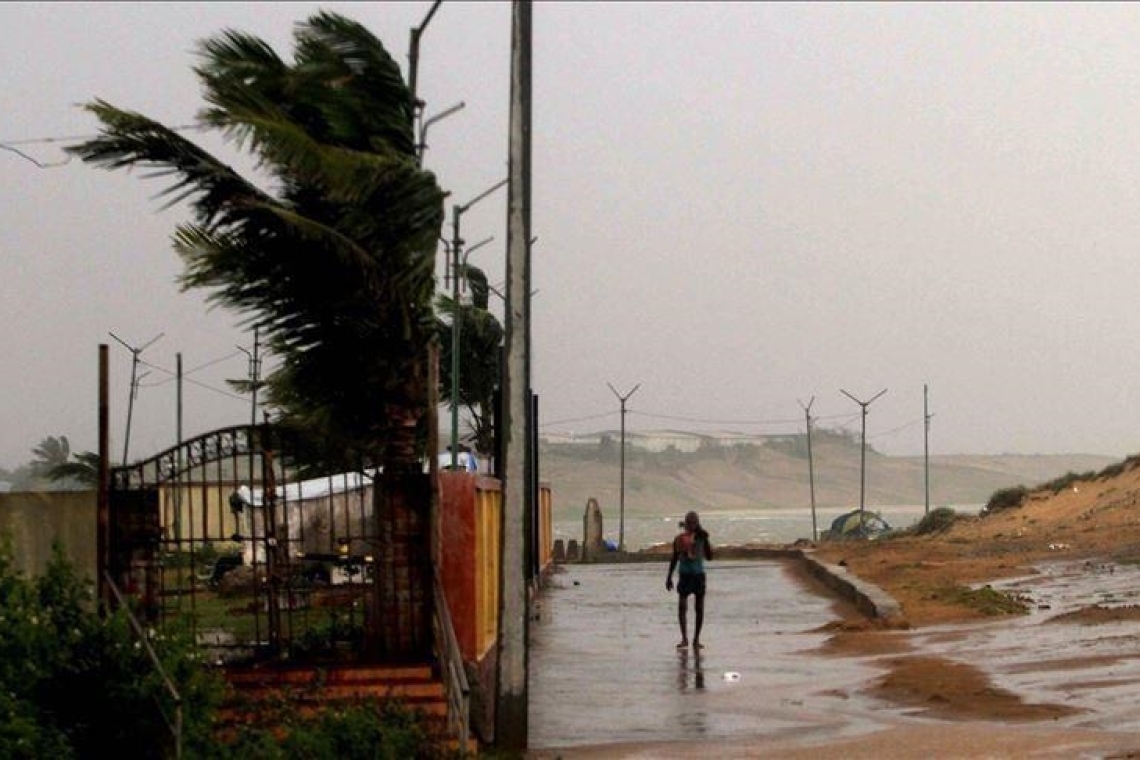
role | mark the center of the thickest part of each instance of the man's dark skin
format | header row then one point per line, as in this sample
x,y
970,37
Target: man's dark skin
x,y
690,549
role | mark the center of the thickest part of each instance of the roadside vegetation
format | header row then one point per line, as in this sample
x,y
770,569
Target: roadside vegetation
x,y
74,682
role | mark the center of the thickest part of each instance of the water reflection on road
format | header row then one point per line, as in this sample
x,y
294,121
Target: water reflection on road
x,y
689,676
603,667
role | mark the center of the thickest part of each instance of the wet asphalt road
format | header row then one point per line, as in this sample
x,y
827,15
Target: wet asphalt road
x,y
604,668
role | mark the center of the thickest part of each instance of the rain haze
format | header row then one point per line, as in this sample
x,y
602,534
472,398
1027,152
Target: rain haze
x,y
739,207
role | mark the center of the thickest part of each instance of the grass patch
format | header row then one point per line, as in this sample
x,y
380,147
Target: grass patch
x,y
986,600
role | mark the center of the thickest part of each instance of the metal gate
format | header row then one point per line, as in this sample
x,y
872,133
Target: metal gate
x,y
223,534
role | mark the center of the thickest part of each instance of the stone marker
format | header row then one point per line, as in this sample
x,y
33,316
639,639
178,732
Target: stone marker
x,y
592,543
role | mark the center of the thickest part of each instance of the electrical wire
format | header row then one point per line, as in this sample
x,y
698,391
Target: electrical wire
x,y
72,138
173,376
219,391
577,419
788,421
39,164
8,144
894,430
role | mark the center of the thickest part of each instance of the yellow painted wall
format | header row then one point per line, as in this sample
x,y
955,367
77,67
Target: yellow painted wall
x,y
545,527
488,529
34,520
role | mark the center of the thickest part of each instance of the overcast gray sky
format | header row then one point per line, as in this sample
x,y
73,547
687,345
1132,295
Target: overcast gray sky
x,y
738,206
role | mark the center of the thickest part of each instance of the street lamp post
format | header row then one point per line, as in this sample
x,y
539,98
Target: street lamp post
x,y
621,491
456,248
863,447
471,250
414,58
421,144
811,468
135,351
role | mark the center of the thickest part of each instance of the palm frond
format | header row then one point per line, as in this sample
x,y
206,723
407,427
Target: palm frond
x,y
131,139
336,266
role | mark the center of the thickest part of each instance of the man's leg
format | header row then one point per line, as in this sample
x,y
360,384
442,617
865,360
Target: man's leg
x,y
682,618
699,608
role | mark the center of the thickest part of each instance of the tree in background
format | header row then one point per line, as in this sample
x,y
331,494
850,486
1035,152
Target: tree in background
x,y
334,259
51,452
481,340
82,470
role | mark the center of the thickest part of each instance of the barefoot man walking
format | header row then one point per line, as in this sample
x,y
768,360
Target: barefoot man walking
x,y
691,548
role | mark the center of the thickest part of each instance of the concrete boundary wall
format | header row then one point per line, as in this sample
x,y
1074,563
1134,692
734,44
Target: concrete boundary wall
x,y
34,520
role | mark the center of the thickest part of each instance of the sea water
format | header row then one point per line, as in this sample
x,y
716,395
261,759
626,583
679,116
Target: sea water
x,y
735,527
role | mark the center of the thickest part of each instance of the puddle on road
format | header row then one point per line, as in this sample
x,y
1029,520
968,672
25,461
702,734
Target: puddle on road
x,y
1093,668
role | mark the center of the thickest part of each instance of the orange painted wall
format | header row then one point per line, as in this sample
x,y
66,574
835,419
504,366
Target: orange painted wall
x,y
470,514
470,510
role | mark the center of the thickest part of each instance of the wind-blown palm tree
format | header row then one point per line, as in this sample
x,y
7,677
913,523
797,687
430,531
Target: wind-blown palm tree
x,y
480,362
337,266
82,470
49,454
333,259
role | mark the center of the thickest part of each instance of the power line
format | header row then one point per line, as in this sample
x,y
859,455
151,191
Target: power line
x,y
894,430
578,419
71,138
194,382
172,377
586,418
39,164
8,145
738,422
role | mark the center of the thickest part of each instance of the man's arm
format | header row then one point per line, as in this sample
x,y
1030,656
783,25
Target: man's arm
x,y
707,543
672,566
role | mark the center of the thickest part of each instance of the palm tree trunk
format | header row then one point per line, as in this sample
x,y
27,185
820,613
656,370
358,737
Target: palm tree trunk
x,y
399,624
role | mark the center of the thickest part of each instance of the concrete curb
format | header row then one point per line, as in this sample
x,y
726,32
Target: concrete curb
x,y
869,599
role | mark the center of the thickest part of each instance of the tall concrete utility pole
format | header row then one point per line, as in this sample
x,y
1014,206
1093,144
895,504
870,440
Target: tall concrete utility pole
x,y
512,698
621,489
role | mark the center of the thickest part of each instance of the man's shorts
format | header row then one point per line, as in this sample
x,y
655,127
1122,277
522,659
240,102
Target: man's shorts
x,y
691,583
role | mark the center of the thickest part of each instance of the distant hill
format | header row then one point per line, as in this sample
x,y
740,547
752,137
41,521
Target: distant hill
x,y
775,474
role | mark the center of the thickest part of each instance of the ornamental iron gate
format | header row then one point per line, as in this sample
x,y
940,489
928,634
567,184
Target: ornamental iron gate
x,y
222,534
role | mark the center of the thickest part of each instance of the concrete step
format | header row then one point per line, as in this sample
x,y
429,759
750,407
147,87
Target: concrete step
x,y
308,674
257,693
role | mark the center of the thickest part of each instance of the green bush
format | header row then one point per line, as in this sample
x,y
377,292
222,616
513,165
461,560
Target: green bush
x,y
77,684
1006,498
361,731
74,683
1065,481
936,521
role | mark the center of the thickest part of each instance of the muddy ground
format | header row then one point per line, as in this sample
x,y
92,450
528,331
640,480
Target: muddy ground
x,y
955,576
